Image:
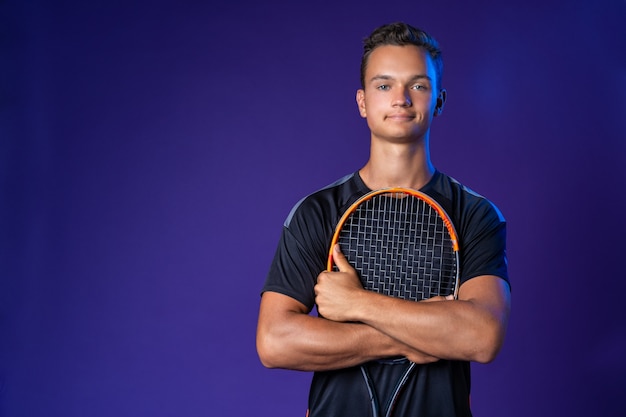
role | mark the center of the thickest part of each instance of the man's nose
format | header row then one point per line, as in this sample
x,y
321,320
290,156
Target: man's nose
x,y
403,98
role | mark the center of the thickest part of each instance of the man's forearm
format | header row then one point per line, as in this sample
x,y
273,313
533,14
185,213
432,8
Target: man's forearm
x,y
460,330
307,343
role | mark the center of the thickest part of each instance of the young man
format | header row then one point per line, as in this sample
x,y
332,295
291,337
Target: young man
x,y
401,94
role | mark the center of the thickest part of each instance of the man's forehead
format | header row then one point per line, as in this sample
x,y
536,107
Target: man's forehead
x,y
391,59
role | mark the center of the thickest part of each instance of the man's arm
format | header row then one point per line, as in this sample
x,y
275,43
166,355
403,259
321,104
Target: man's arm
x,y
471,328
288,337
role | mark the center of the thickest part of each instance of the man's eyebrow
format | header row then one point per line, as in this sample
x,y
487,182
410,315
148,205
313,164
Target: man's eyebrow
x,y
385,77
421,77
381,77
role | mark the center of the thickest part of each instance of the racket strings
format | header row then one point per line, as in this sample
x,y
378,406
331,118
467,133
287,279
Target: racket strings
x,y
401,247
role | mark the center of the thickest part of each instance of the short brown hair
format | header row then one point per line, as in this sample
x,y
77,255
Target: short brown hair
x,y
401,34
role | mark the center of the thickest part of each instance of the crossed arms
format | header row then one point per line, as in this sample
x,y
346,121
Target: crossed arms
x,y
359,325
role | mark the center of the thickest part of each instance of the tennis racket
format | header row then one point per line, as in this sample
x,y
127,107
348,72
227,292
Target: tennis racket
x,y
403,244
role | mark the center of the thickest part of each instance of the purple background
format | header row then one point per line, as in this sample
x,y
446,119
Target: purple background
x,y
150,153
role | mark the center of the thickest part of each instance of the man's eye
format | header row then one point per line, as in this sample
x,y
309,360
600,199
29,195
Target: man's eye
x,y
383,87
419,87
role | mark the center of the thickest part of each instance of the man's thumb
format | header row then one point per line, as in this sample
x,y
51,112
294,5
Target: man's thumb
x,y
340,259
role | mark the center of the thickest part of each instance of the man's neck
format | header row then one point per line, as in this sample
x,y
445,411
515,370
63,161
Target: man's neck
x,y
398,165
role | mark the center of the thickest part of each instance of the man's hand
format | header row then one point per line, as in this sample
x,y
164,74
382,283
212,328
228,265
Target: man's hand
x,y
337,294
420,358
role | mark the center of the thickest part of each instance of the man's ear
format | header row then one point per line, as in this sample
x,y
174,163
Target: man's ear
x,y
441,100
360,101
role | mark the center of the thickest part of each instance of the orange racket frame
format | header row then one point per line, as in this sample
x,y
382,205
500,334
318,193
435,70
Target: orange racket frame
x,y
395,190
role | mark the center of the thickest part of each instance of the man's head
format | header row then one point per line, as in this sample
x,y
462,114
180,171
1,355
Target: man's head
x,y
401,34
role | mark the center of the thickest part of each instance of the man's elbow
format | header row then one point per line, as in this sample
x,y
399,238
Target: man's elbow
x,y
268,350
263,348
489,343
487,355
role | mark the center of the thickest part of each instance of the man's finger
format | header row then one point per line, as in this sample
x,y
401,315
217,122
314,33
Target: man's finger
x,y
439,298
340,260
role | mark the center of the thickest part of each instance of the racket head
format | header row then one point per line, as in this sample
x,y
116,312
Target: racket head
x,y
401,242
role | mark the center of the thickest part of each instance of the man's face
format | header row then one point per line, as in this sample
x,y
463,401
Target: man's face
x,y
400,97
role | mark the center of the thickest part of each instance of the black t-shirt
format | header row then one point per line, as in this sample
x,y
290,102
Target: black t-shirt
x,y
441,388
